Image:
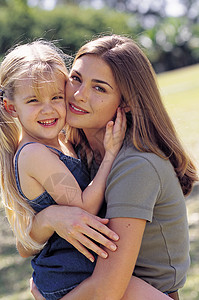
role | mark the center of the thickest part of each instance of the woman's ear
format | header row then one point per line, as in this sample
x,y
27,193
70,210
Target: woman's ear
x,y
125,108
10,108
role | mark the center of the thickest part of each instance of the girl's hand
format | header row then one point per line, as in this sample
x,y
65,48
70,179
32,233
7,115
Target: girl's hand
x,y
115,133
78,227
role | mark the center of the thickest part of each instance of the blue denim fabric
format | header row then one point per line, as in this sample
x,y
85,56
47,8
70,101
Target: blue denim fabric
x,y
59,267
167,293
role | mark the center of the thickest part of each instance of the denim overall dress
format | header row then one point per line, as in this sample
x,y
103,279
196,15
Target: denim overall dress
x,y
59,267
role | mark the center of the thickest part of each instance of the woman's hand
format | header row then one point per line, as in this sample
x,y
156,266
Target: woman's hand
x,y
78,227
34,291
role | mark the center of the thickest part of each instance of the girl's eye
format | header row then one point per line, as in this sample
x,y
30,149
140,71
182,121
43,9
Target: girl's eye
x,y
59,97
100,89
32,100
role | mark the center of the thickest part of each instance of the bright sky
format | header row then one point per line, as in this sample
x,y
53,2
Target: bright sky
x,y
174,8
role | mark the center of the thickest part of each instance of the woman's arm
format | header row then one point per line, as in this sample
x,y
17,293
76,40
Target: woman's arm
x,y
112,278
137,289
76,226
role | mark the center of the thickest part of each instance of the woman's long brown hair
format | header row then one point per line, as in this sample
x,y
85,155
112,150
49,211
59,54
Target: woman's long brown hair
x,y
148,125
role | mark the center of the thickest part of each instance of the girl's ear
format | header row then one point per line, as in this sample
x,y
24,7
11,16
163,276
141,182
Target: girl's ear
x,y
10,108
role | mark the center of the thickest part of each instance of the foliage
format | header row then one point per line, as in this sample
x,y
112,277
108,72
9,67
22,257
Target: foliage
x,y
169,42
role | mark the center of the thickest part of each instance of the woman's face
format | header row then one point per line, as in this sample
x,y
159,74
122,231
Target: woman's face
x,y
92,95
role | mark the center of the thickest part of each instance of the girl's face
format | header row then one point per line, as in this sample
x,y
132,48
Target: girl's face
x,y
42,116
92,95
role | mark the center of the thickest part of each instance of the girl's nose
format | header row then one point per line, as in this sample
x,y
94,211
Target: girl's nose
x,y
47,109
81,94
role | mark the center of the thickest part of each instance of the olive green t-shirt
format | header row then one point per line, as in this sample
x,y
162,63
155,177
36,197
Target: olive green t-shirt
x,y
145,186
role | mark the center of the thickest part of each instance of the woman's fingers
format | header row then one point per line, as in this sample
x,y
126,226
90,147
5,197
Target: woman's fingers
x,y
85,239
78,227
79,246
89,227
97,224
34,291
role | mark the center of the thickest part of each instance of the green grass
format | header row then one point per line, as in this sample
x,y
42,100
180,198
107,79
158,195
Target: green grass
x,y
180,90
15,271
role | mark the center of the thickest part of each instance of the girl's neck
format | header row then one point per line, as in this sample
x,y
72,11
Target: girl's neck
x,y
26,138
59,143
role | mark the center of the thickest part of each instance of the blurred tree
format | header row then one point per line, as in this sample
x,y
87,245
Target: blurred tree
x,y
168,42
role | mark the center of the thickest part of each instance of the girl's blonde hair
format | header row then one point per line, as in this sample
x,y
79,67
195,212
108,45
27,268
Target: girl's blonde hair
x,y
39,60
148,125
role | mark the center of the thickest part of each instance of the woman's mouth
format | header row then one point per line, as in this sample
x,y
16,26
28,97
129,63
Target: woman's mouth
x,y
48,123
77,110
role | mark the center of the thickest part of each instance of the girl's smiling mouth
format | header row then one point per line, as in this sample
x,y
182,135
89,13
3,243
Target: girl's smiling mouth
x,y
48,122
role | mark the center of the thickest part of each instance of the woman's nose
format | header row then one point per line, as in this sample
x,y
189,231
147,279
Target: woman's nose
x,y
81,94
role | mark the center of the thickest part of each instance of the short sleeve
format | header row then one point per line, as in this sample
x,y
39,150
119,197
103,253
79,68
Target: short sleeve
x,y
133,187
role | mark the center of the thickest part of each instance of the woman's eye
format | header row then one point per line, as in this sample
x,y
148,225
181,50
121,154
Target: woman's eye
x,y
75,78
100,89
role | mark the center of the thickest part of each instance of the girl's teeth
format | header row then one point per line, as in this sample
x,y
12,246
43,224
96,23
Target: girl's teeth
x,y
47,122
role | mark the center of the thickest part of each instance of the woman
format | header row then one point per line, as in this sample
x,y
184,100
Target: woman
x,y
149,178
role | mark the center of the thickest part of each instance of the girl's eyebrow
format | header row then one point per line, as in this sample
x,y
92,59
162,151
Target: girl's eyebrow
x,y
29,97
95,80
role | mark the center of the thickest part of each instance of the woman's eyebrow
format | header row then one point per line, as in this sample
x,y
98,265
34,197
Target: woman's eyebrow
x,y
101,81
94,80
73,70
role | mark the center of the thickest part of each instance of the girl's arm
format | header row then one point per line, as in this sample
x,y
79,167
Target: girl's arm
x,y
41,169
60,185
93,195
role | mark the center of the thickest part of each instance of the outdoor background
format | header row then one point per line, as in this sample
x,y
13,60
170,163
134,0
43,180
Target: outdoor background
x,y
168,32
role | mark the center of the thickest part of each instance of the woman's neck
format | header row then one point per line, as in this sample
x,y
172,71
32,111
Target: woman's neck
x,y
96,142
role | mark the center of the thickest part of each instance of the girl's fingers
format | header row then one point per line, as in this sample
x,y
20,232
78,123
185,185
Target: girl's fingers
x,y
118,120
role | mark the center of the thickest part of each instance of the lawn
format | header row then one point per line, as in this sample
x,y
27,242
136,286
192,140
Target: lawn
x,y
180,90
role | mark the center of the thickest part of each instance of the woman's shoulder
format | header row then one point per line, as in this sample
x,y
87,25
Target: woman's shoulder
x,y
131,160
129,152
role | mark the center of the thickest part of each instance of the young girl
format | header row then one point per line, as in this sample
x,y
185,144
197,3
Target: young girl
x,y
37,169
